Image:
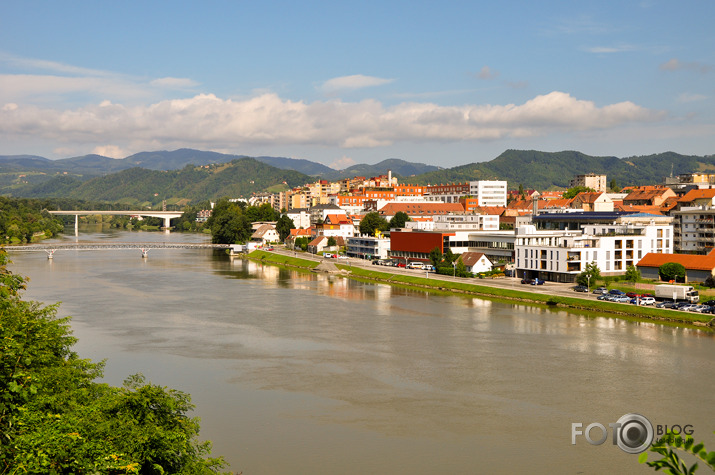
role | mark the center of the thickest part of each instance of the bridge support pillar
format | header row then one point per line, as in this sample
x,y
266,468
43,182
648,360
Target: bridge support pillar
x,y
167,223
76,225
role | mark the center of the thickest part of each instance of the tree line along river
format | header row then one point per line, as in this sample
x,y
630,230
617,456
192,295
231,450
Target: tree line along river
x,y
295,372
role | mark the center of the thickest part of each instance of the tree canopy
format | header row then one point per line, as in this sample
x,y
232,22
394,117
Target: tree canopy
x,y
672,271
54,417
371,222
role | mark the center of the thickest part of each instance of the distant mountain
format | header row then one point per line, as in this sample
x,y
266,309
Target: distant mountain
x,y
240,177
545,170
300,165
398,167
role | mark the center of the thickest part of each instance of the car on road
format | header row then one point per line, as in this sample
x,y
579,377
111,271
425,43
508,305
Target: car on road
x,y
580,288
600,290
647,301
616,292
632,295
526,281
270,248
537,281
342,256
327,255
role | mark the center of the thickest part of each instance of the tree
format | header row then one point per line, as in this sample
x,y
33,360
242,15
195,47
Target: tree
x,y
590,275
228,223
399,220
373,221
572,192
632,274
283,227
672,271
435,256
54,417
614,186
331,241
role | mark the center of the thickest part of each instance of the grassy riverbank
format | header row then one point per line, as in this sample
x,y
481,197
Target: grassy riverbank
x,y
470,288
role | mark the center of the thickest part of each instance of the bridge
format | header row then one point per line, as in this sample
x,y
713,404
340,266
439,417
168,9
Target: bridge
x,y
143,246
165,215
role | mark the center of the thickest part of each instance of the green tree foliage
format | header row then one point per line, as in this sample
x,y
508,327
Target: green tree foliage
x,y
22,219
668,446
572,192
590,270
228,223
399,220
371,222
302,243
332,242
435,257
283,227
614,186
54,417
672,271
632,274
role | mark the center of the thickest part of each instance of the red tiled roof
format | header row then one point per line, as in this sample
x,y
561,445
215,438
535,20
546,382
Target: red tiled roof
x,y
689,261
421,209
693,195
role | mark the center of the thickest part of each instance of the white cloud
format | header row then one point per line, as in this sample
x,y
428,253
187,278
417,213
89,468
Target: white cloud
x,y
208,121
675,64
611,49
348,83
174,83
111,151
342,163
487,73
688,97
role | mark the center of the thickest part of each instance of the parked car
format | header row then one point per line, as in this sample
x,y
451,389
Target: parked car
x,y
269,248
702,309
526,281
342,256
647,301
415,265
710,303
580,288
622,299
400,264
537,281
429,268
603,297
600,290
327,255
616,292
688,307
632,295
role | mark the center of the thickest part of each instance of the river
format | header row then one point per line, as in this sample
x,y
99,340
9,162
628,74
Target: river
x,y
299,373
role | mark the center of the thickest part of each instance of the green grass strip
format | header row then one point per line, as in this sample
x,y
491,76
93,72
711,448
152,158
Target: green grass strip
x,y
272,257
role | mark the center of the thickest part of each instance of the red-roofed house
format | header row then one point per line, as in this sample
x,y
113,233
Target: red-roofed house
x,y
593,201
697,198
697,267
417,210
648,196
476,262
336,225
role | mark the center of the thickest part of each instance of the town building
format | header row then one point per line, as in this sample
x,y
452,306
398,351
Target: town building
x,y
466,222
368,247
557,247
476,262
590,180
697,268
694,228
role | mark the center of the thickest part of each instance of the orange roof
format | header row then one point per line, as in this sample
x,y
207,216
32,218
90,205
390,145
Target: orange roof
x,y
491,210
588,197
693,195
689,261
421,209
338,219
650,209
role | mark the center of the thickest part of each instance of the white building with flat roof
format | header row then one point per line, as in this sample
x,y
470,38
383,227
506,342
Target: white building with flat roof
x,y
489,192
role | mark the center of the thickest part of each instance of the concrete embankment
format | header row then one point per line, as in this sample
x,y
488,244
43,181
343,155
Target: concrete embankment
x,y
484,289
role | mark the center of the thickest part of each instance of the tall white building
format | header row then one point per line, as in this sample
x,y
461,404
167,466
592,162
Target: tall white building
x,y
489,192
561,254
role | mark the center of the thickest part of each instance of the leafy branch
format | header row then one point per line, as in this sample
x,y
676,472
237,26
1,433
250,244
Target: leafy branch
x,y
671,461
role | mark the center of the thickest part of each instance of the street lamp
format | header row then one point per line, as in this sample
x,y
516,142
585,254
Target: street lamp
x,y
454,265
588,283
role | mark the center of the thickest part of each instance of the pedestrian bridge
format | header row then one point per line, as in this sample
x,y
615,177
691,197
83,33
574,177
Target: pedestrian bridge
x,y
144,247
167,216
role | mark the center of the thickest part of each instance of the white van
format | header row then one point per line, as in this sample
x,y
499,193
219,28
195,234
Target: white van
x,y
415,265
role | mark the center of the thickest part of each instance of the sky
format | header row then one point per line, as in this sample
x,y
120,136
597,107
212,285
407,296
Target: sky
x,y
443,83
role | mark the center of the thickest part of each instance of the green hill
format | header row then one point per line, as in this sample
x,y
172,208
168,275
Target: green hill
x,y
237,178
545,170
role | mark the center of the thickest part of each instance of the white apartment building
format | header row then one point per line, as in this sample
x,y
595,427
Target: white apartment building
x,y
466,222
489,192
368,247
300,217
590,180
694,229
560,255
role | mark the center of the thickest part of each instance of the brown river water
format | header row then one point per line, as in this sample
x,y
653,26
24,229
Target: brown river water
x,y
299,373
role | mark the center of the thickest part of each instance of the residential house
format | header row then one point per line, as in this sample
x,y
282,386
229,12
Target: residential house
x,y
592,201
265,234
368,247
476,262
697,267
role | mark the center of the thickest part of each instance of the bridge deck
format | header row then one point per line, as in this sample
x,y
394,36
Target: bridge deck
x,y
115,245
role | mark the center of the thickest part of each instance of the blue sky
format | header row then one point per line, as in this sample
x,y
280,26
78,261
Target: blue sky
x,y
445,83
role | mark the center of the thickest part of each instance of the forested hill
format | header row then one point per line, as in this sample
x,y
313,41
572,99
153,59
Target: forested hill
x,y
544,170
241,177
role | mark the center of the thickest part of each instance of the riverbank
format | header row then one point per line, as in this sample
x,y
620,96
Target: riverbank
x,y
483,289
